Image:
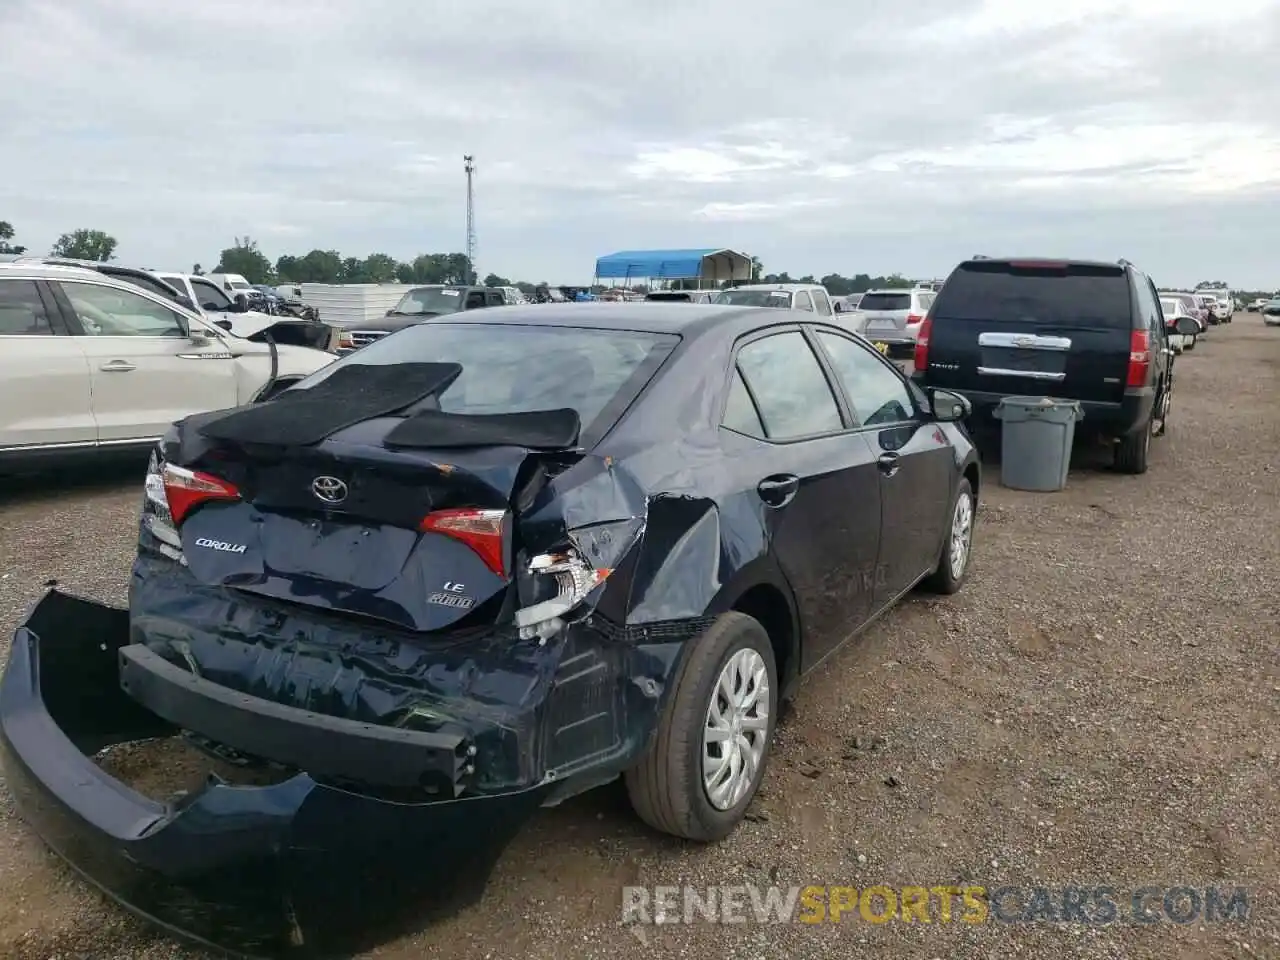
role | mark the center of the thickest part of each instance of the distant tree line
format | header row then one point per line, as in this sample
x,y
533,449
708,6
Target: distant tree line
x,y
329,266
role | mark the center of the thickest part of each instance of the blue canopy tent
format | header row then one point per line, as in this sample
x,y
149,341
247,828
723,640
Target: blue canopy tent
x,y
710,266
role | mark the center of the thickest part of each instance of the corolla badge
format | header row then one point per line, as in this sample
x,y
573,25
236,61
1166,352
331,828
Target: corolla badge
x,y
329,489
220,545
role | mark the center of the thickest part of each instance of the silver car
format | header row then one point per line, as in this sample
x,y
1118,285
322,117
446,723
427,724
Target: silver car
x,y
891,319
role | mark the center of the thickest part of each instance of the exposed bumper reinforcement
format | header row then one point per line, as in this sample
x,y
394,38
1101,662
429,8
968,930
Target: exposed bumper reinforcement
x,y
299,868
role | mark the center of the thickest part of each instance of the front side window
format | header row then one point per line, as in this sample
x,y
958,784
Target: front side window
x,y
878,395
792,393
22,312
110,312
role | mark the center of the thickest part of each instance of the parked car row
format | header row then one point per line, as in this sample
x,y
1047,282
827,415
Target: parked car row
x,y
97,360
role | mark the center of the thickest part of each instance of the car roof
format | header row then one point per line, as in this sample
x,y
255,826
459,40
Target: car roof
x,y
38,268
646,316
776,286
1069,261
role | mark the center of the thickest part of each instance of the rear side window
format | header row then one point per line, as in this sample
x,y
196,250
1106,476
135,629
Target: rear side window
x,y
1051,295
791,391
210,297
740,413
885,301
22,313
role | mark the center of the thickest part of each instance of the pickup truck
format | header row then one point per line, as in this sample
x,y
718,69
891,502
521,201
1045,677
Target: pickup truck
x,y
417,305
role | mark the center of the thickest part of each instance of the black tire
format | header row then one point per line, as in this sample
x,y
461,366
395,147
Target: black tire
x,y
666,786
944,579
1132,452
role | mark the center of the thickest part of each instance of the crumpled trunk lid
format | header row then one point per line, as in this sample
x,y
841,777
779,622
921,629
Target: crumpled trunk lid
x,y
372,553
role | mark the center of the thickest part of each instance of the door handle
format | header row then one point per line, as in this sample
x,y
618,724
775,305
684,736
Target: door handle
x,y
889,463
118,366
777,491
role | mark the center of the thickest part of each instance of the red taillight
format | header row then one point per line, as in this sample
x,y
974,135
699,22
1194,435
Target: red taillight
x,y
1037,265
914,318
920,359
1139,358
481,530
186,489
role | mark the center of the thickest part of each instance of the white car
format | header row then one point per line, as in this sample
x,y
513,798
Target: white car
x,y
1173,307
93,364
812,297
218,307
892,318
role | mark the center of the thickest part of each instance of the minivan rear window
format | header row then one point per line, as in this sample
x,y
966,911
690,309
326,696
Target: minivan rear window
x,y
885,301
1051,295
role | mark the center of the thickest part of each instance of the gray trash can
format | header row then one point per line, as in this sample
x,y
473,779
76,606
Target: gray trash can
x,y
1035,439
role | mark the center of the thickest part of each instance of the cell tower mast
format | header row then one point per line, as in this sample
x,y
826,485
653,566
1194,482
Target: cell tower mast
x,y
469,164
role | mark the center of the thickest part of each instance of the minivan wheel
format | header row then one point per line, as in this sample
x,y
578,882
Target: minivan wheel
x,y
708,755
953,565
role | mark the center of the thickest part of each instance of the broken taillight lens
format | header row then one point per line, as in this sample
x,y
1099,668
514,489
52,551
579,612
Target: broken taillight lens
x,y
481,530
571,578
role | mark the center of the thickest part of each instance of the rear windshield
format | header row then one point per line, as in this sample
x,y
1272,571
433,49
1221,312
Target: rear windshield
x,y
756,298
516,369
1054,296
885,301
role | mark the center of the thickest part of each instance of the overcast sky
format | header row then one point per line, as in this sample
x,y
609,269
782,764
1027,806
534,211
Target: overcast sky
x,y
850,137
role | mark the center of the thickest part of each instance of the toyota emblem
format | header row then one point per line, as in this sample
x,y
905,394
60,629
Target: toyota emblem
x,y
1024,341
329,489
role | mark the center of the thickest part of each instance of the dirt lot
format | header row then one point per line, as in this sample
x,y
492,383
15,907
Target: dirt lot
x,y
1100,705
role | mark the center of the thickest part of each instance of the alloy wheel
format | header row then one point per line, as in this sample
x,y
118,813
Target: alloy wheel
x,y
961,536
737,729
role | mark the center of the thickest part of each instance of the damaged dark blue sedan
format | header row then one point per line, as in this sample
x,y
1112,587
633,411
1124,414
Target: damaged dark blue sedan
x,y
473,569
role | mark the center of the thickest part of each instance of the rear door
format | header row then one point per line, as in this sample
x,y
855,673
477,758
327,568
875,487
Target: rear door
x,y
916,463
44,376
1033,328
818,485
145,371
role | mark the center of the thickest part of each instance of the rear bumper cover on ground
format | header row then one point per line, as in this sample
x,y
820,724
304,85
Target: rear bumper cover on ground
x,y
305,867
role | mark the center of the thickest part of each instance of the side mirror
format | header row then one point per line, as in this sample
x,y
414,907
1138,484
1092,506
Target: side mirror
x,y
1186,326
949,407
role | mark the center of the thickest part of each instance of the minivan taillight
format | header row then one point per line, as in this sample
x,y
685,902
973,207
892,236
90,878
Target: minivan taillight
x,y
920,359
914,318
1139,358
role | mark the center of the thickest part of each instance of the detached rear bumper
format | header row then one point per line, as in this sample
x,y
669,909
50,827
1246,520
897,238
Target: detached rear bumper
x,y
300,868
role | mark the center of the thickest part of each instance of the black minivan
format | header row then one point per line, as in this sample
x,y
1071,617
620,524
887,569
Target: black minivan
x,y
1080,330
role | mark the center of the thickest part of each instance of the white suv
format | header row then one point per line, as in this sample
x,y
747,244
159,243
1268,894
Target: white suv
x,y
92,364
891,318
812,297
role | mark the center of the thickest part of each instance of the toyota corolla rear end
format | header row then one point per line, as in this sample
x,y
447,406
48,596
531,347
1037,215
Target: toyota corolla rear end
x,y
365,649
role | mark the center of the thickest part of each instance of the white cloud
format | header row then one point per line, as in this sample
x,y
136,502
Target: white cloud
x,y
892,137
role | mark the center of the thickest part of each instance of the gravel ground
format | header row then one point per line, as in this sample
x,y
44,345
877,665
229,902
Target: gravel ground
x,y
1098,706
